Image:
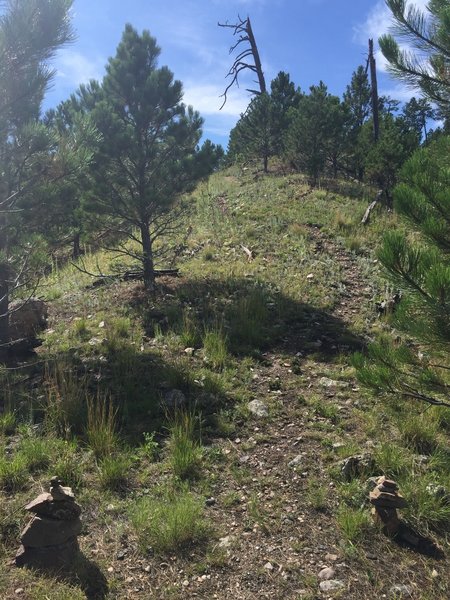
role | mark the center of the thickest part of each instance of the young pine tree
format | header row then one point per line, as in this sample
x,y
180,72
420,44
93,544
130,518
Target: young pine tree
x,y
419,265
149,153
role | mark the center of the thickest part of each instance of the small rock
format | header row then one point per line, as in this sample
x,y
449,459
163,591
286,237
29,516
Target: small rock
x,y
357,465
174,399
434,574
400,591
258,408
19,591
189,351
310,276
101,324
327,382
331,557
110,508
210,501
268,566
296,462
439,492
326,573
226,541
331,585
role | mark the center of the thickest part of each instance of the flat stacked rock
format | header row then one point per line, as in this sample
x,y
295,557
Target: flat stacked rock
x,y
386,499
49,541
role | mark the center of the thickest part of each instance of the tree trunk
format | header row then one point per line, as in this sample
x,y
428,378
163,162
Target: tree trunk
x,y
4,284
254,47
76,249
147,257
4,305
374,87
266,163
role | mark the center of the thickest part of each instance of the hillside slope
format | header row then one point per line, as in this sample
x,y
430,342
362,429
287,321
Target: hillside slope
x,y
204,428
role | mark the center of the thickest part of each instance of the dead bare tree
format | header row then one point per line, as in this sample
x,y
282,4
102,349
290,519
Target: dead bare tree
x,y
241,63
371,63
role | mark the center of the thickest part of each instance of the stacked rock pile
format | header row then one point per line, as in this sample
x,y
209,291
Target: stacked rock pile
x,y
386,499
49,541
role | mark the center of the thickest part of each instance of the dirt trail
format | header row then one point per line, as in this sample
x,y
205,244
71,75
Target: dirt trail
x,y
280,526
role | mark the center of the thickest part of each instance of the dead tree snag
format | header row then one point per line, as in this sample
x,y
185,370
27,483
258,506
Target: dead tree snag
x,y
245,32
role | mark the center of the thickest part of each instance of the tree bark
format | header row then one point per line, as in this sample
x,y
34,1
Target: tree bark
x,y
147,257
4,284
76,250
374,88
254,47
4,305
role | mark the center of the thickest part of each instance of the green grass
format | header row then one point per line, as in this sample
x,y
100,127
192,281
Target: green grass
x,y
420,433
8,423
354,523
14,474
114,472
68,465
185,452
101,427
170,523
215,346
36,452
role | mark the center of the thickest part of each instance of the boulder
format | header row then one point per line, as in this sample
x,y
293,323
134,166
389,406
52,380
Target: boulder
x,y
27,319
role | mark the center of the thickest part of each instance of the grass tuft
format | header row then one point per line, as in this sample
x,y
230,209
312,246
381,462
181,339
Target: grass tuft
x,y
185,452
169,523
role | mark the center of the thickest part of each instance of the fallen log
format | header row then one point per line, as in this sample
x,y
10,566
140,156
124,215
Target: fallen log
x,y
133,276
370,208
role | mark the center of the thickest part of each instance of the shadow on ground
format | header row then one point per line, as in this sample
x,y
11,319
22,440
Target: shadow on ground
x,y
254,317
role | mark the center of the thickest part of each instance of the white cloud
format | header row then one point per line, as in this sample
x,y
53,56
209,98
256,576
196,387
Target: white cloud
x,y
399,92
378,22
75,68
206,99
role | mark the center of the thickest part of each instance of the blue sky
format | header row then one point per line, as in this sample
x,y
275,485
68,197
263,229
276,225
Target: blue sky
x,y
312,40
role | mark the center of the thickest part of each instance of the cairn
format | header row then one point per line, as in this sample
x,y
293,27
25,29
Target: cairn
x,y
49,541
386,499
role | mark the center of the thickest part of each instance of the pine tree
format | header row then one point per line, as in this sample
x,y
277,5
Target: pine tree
x,y
416,113
314,131
427,66
149,154
283,96
30,33
252,137
384,159
420,267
